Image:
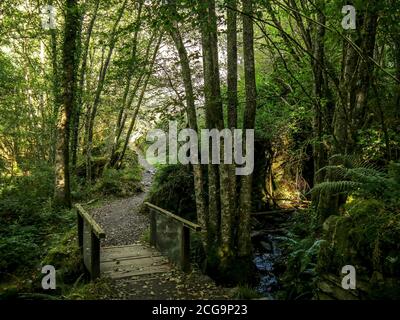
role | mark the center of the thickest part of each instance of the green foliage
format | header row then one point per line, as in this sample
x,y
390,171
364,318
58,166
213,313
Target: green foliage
x,y
24,196
97,165
362,179
335,187
21,245
18,249
87,290
72,280
27,219
121,182
246,293
368,235
173,190
64,255
22,204
300,277
145,237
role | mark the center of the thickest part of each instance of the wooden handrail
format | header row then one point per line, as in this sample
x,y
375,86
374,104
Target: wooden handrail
x,y
89,241
187,223
265,213
97,230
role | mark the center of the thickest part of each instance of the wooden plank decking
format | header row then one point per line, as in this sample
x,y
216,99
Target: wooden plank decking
x,y
132,260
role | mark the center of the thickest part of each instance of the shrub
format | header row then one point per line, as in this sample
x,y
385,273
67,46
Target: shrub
x,y
368,237
121,182
352,176
173,190
246,293
27,219
300,277
64,255
18,250
24,196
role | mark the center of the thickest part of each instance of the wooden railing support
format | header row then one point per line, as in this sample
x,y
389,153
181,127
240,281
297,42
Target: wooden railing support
x,y
95,256
153,228
80,232
89,235
185,227
185,248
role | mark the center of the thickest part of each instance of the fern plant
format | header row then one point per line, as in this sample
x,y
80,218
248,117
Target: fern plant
x,y
350,175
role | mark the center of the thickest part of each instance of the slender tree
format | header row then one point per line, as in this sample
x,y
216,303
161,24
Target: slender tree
x,y
248,123
62,194
100,85
190,107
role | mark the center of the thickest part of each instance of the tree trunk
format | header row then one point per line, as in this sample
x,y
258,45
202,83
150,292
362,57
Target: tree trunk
x,y
244,239
208,69
62,194
99,90
219,226
232,87
192,119
136,111
82,75
122,115
57,99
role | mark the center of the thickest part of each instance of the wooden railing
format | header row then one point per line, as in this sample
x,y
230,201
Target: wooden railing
x,y
89,235
184,227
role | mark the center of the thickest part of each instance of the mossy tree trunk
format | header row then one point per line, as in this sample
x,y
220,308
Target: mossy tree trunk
x,y
219,193
62,193
244,240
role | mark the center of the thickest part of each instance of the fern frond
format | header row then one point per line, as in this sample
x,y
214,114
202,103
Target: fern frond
x,y
348,160
363,174
337,172
337,186
353,161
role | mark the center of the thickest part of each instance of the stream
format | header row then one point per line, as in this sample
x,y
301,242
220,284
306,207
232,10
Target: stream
x,y
268,254
265,259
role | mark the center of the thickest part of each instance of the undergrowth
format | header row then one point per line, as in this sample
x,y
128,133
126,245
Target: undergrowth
x,y
365,235
173,190
33,234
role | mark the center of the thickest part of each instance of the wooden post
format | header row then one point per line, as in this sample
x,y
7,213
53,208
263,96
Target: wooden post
x,y
185,248
153,228
95,256
89,235
80,233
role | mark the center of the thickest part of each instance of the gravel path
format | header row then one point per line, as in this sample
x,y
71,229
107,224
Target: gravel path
x,y
120,218
124,225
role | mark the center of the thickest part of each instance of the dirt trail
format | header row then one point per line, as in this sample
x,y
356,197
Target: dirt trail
x,y
120,218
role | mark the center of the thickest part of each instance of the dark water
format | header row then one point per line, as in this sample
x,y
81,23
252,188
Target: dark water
x,y
265,258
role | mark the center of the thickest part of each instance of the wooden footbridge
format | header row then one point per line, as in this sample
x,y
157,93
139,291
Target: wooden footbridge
x,y
169,243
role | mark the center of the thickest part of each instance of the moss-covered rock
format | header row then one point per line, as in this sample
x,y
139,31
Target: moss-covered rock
x,y
367,236
65,257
